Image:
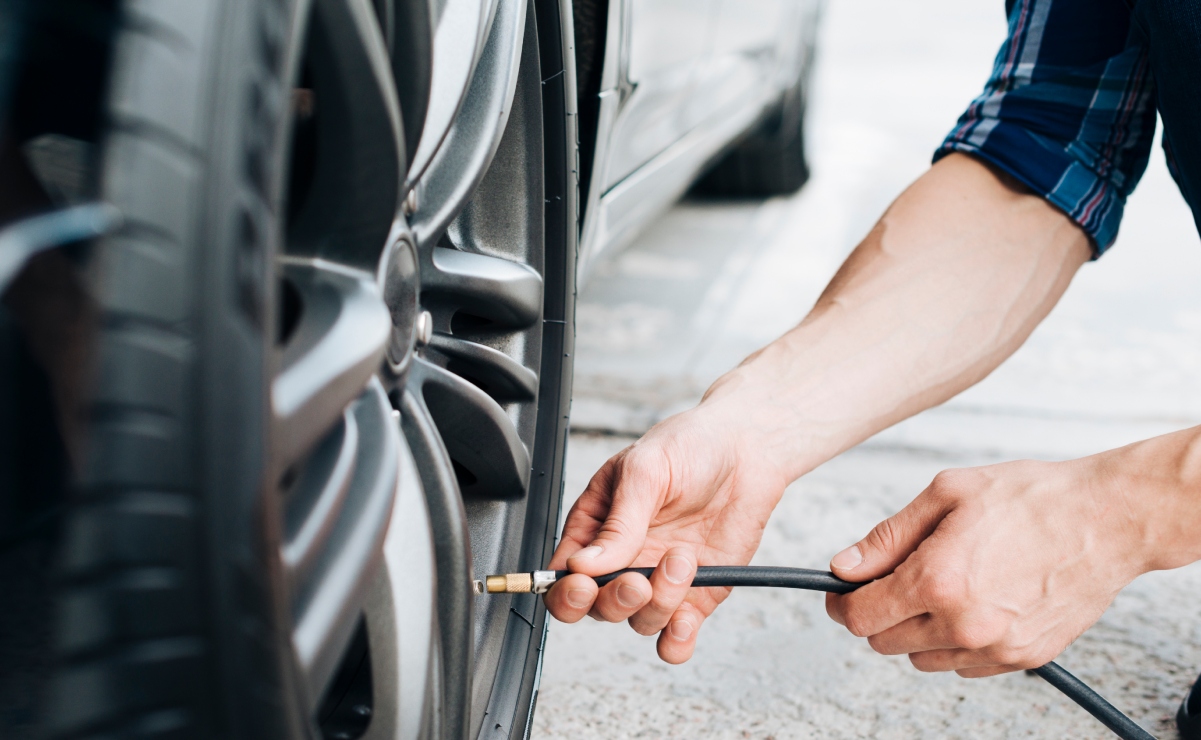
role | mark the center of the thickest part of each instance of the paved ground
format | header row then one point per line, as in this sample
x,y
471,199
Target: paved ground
x,y
1117,361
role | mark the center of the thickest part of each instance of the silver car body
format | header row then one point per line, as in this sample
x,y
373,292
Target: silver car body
x,y
686,78
681,81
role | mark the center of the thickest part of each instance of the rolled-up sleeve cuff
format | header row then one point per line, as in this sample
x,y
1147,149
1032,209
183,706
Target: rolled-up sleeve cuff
x,y
1044,166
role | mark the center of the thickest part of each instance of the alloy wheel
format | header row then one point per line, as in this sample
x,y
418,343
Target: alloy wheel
x,y
446,330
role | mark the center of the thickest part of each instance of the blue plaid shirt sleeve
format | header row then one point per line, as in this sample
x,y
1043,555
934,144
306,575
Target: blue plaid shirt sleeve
x,y
1069,109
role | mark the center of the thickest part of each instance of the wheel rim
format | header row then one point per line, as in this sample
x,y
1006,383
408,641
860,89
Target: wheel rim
x,y
438,327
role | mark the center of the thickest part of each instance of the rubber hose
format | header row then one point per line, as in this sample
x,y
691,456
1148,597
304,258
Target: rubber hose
x,y
819,580
748,575
1095,704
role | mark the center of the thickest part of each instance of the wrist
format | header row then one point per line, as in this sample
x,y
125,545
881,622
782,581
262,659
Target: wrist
x,y
760,407
1156,485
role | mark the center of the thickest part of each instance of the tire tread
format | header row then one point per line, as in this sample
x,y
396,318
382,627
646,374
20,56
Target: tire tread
x,y
129,635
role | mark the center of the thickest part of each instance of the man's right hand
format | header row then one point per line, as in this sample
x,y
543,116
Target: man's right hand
x,y
695,490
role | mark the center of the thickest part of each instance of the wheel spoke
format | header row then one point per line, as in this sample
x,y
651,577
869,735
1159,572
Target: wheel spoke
x,y
494,372
509,294
385,14
455,45
329,587
452,553
358,37
319,499
492,461
401,615
349,157
337,346
463,158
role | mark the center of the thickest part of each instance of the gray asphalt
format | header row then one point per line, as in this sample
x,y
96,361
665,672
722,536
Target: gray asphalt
x,y
1117,361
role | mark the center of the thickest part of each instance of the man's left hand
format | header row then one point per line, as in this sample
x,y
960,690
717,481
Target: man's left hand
x,y
996,569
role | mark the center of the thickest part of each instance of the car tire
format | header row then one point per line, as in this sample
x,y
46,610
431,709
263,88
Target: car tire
x,y
178,612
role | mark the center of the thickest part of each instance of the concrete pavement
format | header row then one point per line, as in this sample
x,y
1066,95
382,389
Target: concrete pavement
x,y
1118,360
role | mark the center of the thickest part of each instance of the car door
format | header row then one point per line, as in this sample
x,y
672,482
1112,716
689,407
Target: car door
x,y
753,52
666,42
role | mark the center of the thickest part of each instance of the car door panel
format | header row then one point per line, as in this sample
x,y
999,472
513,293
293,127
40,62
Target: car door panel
x,y
666,42
749,54
669,105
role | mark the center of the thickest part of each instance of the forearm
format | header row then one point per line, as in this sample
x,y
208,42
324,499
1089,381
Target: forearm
x,y
949,283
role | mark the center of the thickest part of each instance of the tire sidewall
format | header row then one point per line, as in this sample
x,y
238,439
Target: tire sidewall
x,y
238,239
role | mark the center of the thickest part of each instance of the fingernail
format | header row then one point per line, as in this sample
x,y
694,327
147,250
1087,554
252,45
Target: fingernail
x,y
588,553
628,596
677,569
848,559
578,598
680,630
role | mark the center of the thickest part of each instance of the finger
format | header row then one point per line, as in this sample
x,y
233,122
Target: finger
x,y
986,672
876,607
891,541
956,659
834,607
641,483
678,638
571,598
914,635
618,600
587,514
669,584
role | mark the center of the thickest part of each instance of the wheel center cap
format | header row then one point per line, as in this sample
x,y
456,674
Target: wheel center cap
x,y
401,286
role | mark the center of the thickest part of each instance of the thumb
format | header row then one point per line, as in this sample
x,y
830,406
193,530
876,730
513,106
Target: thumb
x,y
890,542
638,491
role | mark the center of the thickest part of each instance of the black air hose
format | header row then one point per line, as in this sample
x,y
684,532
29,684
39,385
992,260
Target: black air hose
x,y
819,580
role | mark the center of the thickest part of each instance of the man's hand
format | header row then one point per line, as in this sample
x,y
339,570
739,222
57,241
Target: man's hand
x,y
999,568
696,490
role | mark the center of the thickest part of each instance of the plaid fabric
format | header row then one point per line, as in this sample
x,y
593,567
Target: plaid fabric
x,y
1069,109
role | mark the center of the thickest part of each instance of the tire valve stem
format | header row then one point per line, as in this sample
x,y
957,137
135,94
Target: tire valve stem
x,y
537,582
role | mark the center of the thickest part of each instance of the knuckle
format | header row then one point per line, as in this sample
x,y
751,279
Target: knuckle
x,y
1009,656
600,483
643,626
646,466
662,604
925,662
856,623
884,536
971,635
950,484
615,527
610,611
942,591
600,486
880,644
